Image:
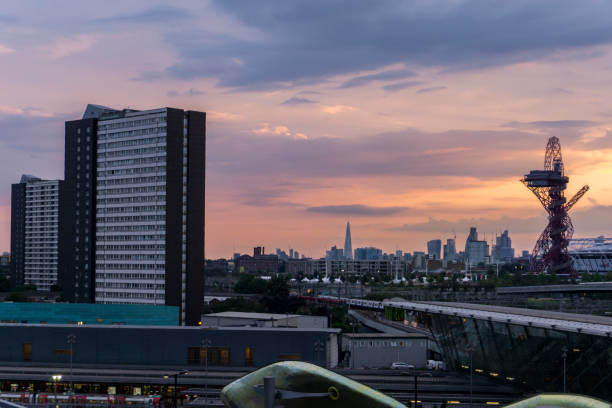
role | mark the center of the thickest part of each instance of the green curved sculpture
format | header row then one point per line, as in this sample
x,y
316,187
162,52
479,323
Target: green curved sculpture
x,y
294,384
560,400
301,384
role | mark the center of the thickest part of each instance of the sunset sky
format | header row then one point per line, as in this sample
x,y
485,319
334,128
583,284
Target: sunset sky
x,y
413,120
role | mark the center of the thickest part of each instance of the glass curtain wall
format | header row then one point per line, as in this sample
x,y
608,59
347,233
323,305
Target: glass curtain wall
x,y
526,355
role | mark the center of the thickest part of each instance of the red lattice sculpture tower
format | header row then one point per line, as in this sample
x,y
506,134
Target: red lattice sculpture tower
x,y
550,253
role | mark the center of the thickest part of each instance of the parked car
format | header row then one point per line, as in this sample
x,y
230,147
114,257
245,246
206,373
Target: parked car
x,y
399,365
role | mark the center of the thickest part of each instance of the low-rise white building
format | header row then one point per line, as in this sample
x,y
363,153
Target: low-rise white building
x,y
241,319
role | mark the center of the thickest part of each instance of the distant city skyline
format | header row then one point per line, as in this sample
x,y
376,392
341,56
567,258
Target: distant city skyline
x,y
497,248
410,143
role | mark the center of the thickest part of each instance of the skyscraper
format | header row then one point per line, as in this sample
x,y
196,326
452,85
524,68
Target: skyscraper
x,y
503,251
450,251
475,251
348,246
434,247
334,253
368,253
135,196
35,230
478,252
472,236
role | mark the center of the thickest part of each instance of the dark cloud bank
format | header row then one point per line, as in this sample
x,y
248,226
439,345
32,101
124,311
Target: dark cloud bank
x,y
357,210
308,40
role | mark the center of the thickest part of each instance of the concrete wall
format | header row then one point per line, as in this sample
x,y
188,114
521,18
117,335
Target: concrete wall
x,y
159,346
319,322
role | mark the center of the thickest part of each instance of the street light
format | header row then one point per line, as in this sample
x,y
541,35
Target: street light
x,y
206,345
176,375
564,356
55,378
318,347
416,395
71,339
470,350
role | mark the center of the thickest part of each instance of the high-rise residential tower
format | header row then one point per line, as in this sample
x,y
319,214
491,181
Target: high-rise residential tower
x,y
78,244
348,245
35,231
135,187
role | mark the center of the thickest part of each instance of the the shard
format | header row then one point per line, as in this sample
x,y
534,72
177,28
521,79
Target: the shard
x,y
348,246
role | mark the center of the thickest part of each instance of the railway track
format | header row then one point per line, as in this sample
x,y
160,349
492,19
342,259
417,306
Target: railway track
x,y
432,390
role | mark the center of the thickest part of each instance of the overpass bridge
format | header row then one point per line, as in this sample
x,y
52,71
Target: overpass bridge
x,y
565,322
586,287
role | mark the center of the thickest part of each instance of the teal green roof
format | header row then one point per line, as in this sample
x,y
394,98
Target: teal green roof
x,y
89,313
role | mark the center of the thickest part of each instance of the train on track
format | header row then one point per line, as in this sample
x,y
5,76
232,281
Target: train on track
x,y
351,302
80,400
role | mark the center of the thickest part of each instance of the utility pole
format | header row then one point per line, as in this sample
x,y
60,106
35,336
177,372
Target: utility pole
x,y
56,378
318,347
416,397
176,375
175,387
71,339
564,356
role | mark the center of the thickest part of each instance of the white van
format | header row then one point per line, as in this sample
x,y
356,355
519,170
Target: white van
x,y
435,365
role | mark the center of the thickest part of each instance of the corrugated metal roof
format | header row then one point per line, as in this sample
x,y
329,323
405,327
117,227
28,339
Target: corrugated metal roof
x,y
384,335
249,315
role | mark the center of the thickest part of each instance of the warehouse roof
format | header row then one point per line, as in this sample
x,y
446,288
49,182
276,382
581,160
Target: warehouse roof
x,y
249,315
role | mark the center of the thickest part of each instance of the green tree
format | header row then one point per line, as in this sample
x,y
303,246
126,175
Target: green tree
x,y
5,284
25,288
248,283
17,297
234,304
277,295
278,286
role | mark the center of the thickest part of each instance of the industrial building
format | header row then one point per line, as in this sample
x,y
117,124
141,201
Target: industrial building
x,y
380,350
239,319
260,262
154,346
